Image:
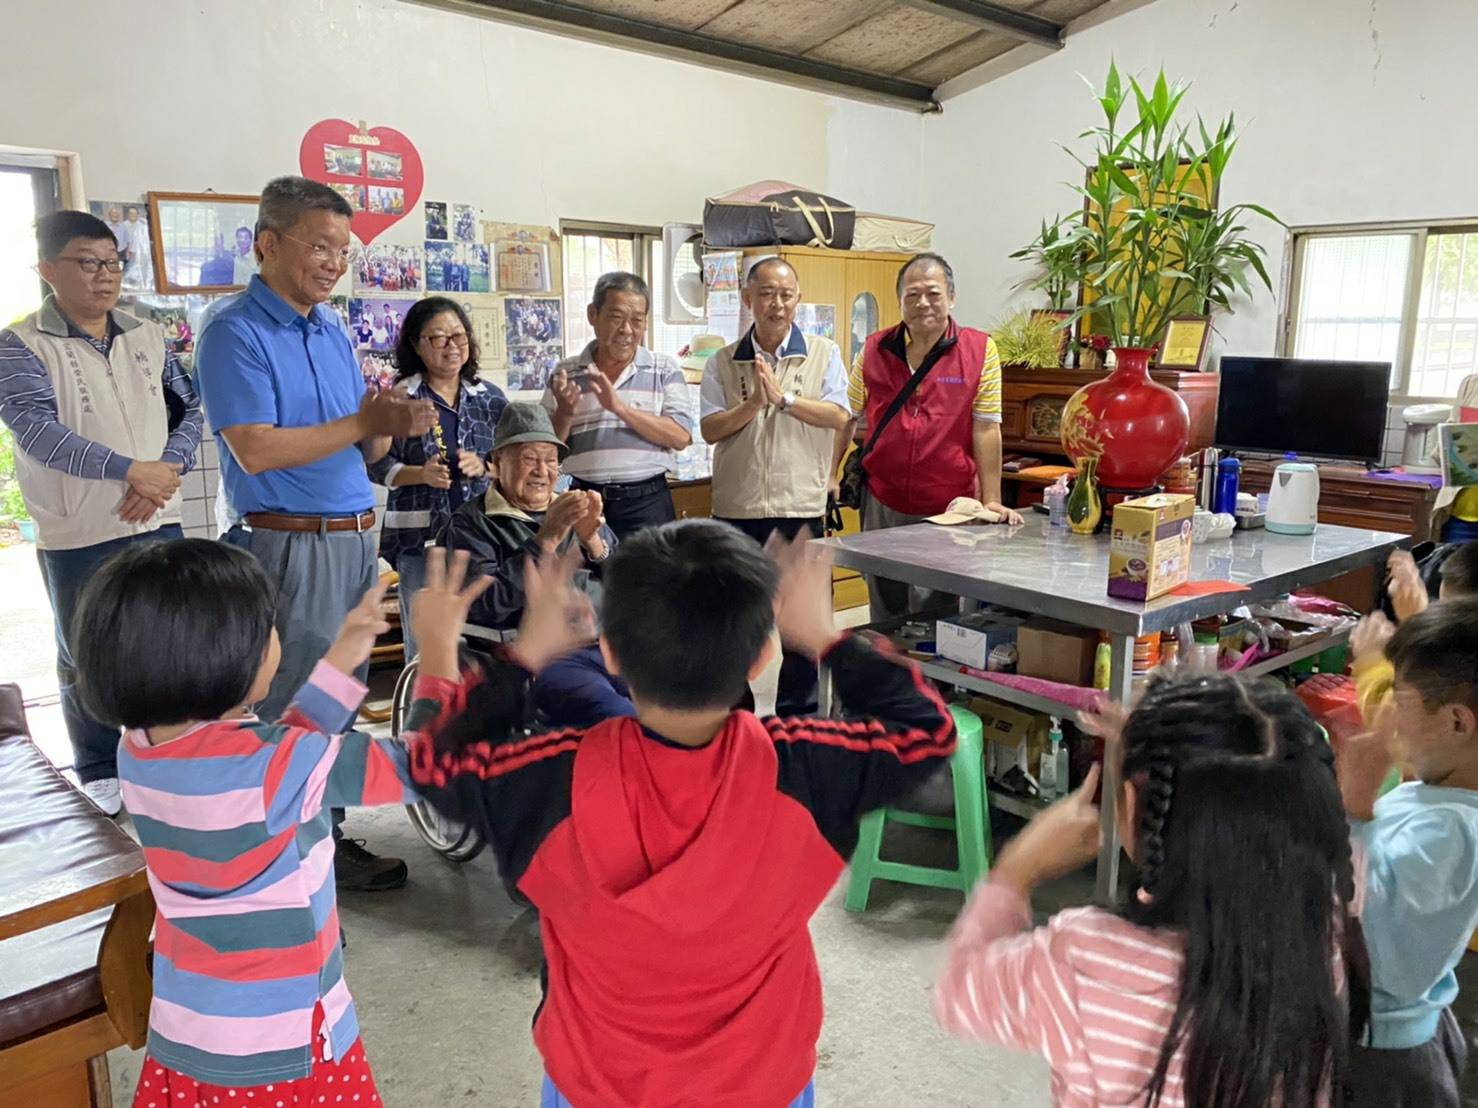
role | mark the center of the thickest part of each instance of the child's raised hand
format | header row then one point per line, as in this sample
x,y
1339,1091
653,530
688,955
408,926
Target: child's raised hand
x,y
1362,762
803,608
439,611
557,617
1407,590
357,634
1371,635
1062,839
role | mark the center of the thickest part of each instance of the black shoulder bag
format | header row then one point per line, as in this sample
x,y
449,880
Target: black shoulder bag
x,y
854,471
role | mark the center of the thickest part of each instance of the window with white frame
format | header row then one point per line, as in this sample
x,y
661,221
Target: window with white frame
x,y
591,249
1407,294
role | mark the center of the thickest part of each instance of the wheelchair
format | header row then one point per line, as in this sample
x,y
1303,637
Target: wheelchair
x,y
456,842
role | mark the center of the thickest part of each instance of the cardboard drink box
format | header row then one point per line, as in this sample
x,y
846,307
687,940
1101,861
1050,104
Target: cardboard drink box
x,y
969,638
1014,737
1150,551
1055,651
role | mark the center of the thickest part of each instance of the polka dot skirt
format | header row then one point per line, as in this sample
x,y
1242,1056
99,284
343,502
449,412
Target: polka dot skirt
x,y
344,1083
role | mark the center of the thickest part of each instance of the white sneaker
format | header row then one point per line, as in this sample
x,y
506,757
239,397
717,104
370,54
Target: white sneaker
x,y
104,793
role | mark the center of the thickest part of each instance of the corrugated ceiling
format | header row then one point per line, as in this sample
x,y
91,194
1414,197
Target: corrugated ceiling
x,y
897,51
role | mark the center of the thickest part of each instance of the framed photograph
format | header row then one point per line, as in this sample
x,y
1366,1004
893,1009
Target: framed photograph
x,y
532,322
355,194
129,222
343,161
1185,342
384,166
523,266
384,200
530,367
464,223
202,241
457,267
383,267
435,220
375,322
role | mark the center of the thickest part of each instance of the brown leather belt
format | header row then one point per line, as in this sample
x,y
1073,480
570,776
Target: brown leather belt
x,y
277,521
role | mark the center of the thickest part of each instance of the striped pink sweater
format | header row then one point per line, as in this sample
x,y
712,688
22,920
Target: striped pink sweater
x,y
1090,992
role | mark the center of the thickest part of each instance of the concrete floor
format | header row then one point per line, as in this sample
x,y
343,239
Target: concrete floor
x,y
445,974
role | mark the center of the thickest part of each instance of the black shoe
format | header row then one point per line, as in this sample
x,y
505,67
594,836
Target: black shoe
x,y
357,870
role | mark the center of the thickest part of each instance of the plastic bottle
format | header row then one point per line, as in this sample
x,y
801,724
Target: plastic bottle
x,y
1056,498
1228,474
1103,665
1053,775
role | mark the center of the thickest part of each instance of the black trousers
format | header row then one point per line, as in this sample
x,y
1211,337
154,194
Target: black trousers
x,y
796,692
630,507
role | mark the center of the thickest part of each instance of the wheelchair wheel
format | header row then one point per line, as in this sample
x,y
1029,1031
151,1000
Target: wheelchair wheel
x,y
454,841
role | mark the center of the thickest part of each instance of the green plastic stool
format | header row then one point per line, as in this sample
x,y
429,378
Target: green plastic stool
x,y
971,825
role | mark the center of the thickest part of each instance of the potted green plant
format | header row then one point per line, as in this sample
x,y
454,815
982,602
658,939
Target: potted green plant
x,y
1030,339
1054,254
1149,244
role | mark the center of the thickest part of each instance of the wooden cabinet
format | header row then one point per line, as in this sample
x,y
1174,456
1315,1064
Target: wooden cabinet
x,y
1032,401
1350,497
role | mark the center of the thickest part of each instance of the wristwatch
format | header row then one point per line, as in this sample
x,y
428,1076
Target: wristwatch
x,y
787,402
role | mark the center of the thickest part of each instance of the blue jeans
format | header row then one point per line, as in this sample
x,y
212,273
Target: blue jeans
x,y
94,744
550,1097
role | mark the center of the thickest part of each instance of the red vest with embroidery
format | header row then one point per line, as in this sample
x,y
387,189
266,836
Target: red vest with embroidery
x,y
925,456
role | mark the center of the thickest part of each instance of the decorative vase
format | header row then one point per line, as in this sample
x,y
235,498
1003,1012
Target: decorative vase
x,y
1134,428
1084,508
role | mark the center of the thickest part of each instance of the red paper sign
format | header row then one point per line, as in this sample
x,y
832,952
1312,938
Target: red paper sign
x,y
378,170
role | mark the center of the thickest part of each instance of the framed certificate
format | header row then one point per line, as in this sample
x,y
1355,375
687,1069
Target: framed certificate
x,y
1185,342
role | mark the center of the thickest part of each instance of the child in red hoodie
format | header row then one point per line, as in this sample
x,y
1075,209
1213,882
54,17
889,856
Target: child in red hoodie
x,y
675,858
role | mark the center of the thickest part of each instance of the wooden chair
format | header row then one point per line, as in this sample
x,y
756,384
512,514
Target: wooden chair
x,y
75,917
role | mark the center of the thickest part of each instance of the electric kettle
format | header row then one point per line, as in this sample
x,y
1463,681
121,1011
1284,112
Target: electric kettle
x,y
1293,501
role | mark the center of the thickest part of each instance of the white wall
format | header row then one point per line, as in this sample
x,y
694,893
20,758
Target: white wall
x,y
532,127
1350,111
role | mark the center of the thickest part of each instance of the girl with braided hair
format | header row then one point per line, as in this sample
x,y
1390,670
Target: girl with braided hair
x,y
1220,982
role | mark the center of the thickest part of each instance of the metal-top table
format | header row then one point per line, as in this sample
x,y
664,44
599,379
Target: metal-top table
x,y
1050,571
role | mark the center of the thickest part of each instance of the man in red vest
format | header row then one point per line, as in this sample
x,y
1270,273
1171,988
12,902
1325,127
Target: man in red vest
x,y
946,440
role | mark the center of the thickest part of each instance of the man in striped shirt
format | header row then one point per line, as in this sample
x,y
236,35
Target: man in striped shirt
x,y
624,411
105,422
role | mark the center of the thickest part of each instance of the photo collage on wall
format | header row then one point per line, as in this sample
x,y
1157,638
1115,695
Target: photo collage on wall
x,y
535,340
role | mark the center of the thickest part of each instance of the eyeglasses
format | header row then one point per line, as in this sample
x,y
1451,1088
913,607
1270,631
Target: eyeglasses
x,y
92,265
439,342
320,252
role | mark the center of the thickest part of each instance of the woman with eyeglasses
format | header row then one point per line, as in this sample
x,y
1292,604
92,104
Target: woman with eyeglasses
x,y
431,476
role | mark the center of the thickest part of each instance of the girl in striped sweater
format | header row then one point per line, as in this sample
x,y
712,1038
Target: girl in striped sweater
x,y
176,643
1220,982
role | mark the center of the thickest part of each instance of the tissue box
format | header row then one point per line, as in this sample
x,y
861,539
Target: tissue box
x,y
1150,547
969,638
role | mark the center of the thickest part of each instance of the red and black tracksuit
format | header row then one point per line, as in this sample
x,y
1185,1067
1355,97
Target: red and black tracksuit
x,y
675,883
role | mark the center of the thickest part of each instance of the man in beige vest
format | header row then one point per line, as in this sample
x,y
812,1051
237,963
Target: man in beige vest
x,y
105,421
771,405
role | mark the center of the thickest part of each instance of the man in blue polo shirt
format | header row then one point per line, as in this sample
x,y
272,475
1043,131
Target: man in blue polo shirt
x,y
295,426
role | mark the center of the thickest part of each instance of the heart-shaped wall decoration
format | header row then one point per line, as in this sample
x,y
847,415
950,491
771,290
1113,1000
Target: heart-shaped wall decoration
x,y
377,169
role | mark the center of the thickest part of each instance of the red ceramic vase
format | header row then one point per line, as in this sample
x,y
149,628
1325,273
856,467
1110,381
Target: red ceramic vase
x,y
1134,427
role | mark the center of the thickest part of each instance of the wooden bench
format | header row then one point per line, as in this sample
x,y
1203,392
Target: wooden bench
x,y
75,917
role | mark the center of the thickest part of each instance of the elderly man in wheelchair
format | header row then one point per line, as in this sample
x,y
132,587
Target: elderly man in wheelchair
x,y
520,515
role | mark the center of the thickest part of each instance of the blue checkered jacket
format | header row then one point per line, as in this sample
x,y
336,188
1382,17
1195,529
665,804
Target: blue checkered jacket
x,y
416,514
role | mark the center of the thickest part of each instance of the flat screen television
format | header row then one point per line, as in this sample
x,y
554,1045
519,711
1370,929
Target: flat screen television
x,y
1309,406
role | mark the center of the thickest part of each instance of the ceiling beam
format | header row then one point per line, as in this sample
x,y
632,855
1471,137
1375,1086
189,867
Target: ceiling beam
x,y
995,17
674,42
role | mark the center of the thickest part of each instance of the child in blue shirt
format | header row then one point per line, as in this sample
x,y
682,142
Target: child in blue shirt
x,y
1420,848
